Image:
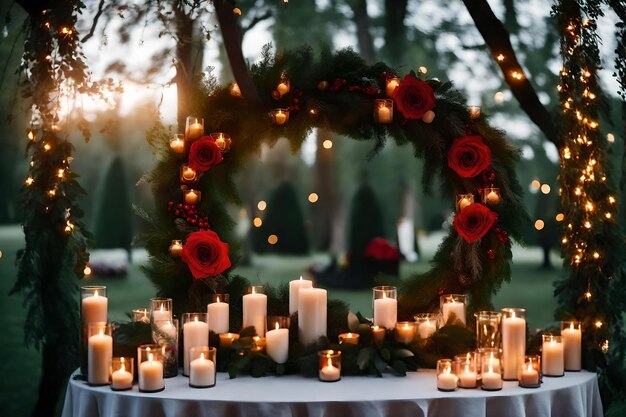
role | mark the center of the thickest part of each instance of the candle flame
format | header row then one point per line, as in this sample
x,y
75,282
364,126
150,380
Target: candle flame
x,y
122,367
161,308
329,362
349,335
150,356
375,328
571,325
467,369
277,326
530,366
218,298
101,333
490,368
406,326
196,319
202,356
95,294
300,277
447,370
384,294
253,290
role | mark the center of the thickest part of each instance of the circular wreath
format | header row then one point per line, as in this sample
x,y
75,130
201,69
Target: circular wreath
x,y
338,92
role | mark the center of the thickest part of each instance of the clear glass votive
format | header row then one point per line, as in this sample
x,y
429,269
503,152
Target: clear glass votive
x,y
222,141
383,111
390,85
349,338
188,175
99,353
378,333
93,309
258,343
202,370
405,332
194,128
176,248
284,322
488,333
279,117
165,334
446,376
466,369
385,306
329,365
571,333
140,315
491,372
195,333
552,355
529,374
227,339
491,196
426,325
177,144
150,371
160,309
464,200
453,309
122,373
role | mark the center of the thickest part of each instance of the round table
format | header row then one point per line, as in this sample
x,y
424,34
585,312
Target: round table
x,y
574,395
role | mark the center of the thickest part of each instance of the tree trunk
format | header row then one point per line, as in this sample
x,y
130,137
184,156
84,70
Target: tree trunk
x,y
326,187
51,384
395,31
547,264
364,37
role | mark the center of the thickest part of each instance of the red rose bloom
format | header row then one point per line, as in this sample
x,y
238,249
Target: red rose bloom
x,y
469,156
474,221
381,249
414,97
204,154
205,254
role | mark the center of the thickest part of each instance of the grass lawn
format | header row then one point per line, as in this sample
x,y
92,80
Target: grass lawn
x,y
530,288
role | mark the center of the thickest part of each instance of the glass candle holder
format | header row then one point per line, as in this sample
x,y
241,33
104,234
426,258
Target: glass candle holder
x,y
491,370
255,309
283,322
349,338
572,345
446,376
99,353
390,85
329,365
385,306
405,332
150,361
222,141
513,341
188,175
195,333
202,367
283,87
140,315
165,334
464,200
176,248
192,196
279,117
160,309
383,111
488,329
453,309
491,196
218,312
177,144
227,339
474,112
258,343
378,333
552,358
529,373
234,90
93,309
122,373
467,371
194,128
426,324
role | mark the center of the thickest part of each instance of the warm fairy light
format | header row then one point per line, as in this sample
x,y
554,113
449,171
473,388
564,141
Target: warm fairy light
x,y
607,215
60,173
499,97
545,188
313,111
593,124
66,31
500,57
272,239
567,153
610,137
422,70
31,135
258,222
598,324
327,144
517,75
52,192
589,206
596,255
611,199
564,240
535,184
605,346
69,226
577,191
588,224
261,205
29,181
560,217
87,270
588,295
237,11
47,146
539,224
313,197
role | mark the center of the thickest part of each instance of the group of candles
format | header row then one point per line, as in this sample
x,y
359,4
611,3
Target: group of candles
x,y
490,197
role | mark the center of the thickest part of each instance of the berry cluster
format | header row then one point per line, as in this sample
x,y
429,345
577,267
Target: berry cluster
x,y
295,100
189,213
502,235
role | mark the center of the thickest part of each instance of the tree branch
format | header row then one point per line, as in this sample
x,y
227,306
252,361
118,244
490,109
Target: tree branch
x,y
497,39
256,20
95,22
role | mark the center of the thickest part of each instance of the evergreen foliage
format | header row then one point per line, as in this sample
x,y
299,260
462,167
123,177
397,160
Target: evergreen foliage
x,y
366,222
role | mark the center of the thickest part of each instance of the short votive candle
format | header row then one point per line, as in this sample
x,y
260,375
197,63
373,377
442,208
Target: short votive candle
x,y
222,141
453,308
446,377
426,325
192,196
177,144
491,196
464,200
194,128
329,365
405,332
122,373
466,370
160,309
188,175
383,111
378,333
491,375
349,338
176,248
279,117
529,374
150,368
227,339
140,315
202,369
552,357
390,85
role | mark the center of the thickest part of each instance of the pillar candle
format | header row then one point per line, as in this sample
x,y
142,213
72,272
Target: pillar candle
x,y
277,344
453,307
513,345
572,338
329,372
201,372
294,290
311,314
195,333
491,381
94,308
99,355
195,130
218,317
552,360
385,312
426,329
447,381
121,379
255,312
151,375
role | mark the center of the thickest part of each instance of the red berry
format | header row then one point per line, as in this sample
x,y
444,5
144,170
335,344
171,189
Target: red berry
x,y
193,221
186,206
177,213
170,203
180,205
193,206
491,254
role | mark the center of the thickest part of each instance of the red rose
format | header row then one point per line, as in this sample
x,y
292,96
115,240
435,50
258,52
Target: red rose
x,y
381,249
205,254
204,154
469,156
474,221
414,97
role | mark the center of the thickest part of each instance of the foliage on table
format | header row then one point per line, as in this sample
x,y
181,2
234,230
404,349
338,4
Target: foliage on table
x,y
593,244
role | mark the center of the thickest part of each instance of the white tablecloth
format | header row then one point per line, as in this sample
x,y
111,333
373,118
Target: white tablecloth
x,y
574,395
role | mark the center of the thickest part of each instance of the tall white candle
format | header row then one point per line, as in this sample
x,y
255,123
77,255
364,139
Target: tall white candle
x,y
572,341
513,345
294,290
94,308
99,356
202,372
385,312
195,333
151,375
552,360
311,314
277,344
255,311
121,379
453,308
218,317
